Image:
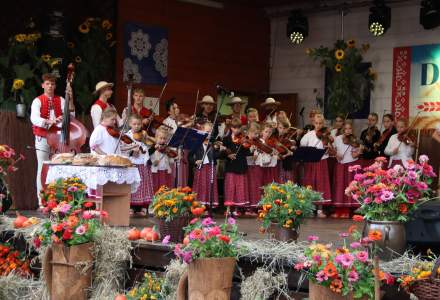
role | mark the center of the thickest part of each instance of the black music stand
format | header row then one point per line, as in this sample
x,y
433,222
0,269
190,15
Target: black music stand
x,y
308,154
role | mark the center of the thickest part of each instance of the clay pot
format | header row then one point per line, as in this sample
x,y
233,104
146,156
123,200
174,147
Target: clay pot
x,y
319,292
283,234
393,240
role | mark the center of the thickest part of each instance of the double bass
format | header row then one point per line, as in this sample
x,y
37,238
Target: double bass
x,y
71,135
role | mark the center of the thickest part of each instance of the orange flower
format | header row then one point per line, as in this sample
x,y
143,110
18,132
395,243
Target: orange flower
x,y
198,211
336,285
188,198
358,218
375,235
186,189
351,229
330,270
298,212
277,202
342,251
72,221
403,208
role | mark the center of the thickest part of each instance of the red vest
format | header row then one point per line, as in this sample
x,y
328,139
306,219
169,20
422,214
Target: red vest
x,y
101,104
45,112
144,112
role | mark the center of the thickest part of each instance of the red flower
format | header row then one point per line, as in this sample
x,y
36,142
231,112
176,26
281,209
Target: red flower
x,y
403,208
224,238
351,229
67,234
358,218
88,204
37,242
51,204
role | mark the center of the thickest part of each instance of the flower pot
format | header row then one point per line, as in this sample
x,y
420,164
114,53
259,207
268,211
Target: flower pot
x,y
173,228
21,110
393,240
283,234
68,270
208,278
319,292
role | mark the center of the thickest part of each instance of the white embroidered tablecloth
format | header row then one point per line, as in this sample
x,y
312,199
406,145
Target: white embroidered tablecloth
x,y
94,176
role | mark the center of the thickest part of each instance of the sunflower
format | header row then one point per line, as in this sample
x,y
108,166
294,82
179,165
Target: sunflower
x,y
338,68
84,28
351,43
339,54
78,59
70,45
18,84
45,57
106,24
20,38
108,36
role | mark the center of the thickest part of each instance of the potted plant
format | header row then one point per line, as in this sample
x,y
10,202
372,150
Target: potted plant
x,y
342,273
69,233
284,207
173,209
8,160
150,288
388,197
211,251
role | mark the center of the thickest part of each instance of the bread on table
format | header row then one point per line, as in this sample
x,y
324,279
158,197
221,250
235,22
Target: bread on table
x,y
62,158
114,160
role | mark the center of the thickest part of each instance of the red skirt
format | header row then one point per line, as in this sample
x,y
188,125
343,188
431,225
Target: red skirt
x,y
254,177
270,174
285,176
202,184
316,175
162,178
144,194
342,178
236,190
331,162
182,180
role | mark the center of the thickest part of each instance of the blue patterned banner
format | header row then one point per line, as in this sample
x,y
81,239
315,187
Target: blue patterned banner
x,y
145,53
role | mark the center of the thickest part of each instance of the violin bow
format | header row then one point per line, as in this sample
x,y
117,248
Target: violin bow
x,y
156,104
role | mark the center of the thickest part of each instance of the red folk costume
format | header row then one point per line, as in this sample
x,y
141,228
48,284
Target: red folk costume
x,y
46,106
143,112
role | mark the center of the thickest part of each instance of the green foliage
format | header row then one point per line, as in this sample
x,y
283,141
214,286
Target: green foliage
x,y
349,84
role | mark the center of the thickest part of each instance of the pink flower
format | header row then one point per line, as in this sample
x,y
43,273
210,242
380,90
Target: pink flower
x,y
365,240
80,230
355,245
87,215
312,238
186,256
423,158
231,221
377,200
381,159
387,196
421,186
367,200
177,250
214,231
321,276
65,208
299,266
343,234
391,172
398,168
353,276
412,174
362,256
354,168
207,222
317,258
368,182
358,177
166,239
193,221
345,260
72,189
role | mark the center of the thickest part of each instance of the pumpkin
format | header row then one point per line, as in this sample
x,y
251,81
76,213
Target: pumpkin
x,y
19,220
134,234
145,231
120,297
152,236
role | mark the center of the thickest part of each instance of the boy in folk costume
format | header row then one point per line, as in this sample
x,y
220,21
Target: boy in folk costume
x,y
144,194
347,153
205,169
400,146
138,107
46,111
316,173
236,191
162,160
104,90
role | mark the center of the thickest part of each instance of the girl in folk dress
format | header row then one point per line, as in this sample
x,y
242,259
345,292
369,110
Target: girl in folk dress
x,y
389,130
287,167
236,191
162,160
252,116
144,194
268,162
101,142
400,146
254,172
205,170
369,137
347,153
316,173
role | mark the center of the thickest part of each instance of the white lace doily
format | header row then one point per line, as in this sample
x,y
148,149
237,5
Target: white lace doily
x,y
95,176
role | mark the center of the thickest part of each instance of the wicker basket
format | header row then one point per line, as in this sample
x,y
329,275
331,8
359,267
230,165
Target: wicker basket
x,y
173,228
429,288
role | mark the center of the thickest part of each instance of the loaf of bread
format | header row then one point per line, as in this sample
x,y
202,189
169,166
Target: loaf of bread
x,y
84,159
114,160
62,158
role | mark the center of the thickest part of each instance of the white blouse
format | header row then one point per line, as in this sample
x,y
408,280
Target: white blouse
x,y
142,158
344,151
311,140
164,162
96,112
171,123
102,139
404,153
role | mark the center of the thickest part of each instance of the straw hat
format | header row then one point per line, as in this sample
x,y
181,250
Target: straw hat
x,y
236,100
207,99
102,84
270,101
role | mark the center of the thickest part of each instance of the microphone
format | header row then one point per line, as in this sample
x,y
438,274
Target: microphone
x,y
220,88
301,112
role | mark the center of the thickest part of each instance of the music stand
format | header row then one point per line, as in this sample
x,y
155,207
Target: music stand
x,y
308,154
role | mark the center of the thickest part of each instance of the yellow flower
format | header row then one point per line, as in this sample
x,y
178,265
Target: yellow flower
x,y
84,28
20,38
106,24
108,36
45,57
338,68
17,84
351,43
78,59
339,54
70,45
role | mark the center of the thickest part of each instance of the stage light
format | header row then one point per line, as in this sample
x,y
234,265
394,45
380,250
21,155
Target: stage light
x,y
380,18
430,14
297,27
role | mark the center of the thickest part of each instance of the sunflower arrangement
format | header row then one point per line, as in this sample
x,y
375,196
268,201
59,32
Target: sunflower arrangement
x,y
349,81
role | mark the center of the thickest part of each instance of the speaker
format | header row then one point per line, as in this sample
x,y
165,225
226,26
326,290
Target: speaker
x,y
424,229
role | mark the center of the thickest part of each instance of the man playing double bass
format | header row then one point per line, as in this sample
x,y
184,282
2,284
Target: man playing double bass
x,y
46,110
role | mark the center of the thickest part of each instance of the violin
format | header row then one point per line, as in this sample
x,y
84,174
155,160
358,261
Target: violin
x,y
370,133
406,137
165,149
351,140
274,143
116,133
142,136
324,135
383,137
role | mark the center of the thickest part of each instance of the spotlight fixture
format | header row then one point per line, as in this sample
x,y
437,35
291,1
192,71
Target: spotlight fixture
x,y
430,14
380,18
297,27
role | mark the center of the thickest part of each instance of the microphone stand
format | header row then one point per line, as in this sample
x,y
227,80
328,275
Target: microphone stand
x,y
124,126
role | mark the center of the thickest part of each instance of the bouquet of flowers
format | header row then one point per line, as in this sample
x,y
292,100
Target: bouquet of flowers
x,y
13,261
169,204
393,194
344,270
150,288
286,204
205,239
8,160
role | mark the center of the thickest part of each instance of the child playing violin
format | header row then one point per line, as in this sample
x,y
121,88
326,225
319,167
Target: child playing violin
x,y
268,161
287,168
316,173
347,153
205,169
388,124
252,116
162,159
369,137
236,191
401,145
254,173
144,194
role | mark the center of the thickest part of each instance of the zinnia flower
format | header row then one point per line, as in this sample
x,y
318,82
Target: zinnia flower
x,y
423,158
80,230
312,238
330,270
166,240
387,196
343,234
207,222
321,276
355,245
362,256
354,168
358,218
231,221
345,260
214,231
375,235
353,276
412,174
196,234
224,238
